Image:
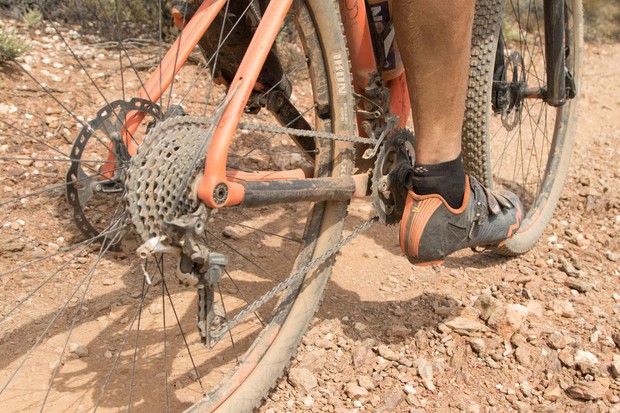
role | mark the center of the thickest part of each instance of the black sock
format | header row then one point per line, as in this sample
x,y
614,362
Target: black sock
x,y
446,179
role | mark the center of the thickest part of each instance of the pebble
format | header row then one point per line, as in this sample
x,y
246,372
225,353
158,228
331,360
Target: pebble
x,y
78,350
465,324
563,308
302,378
587,390
231,232
425,371
614,367
366,382
355,392
409,389
388,354
507,319
359,326
585,357
398,330
553,392
557,341
577,284
568,267
566,358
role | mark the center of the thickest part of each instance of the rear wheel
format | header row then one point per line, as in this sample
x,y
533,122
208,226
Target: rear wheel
x,y
511,142
97,334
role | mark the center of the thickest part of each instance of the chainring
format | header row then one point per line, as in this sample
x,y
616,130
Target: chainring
x,y
163,176
388,189
83,180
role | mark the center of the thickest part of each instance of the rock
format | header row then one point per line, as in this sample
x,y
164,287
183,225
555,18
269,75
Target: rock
x,y
577,284
524,356
506,320
14,245
78,350
425,371
359,326
302,378
484,303
553,392
567,267
616,338
398,330
108,281
557,341
535,308
108,354
563,308
409,389
478,345
585,357
463,324
155,308
566,358
388,354
355,392
614,367
231,232
613,256
308,401
587,390
366,382
391,401
314,360
362,357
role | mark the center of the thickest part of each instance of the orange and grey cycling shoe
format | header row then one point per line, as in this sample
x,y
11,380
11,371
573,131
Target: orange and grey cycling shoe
x,y
431,230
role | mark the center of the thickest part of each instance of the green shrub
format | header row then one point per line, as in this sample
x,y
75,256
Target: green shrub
x,y
11,46
33,18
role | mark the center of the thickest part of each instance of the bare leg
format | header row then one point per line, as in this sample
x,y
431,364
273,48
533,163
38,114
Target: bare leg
x,y
434,37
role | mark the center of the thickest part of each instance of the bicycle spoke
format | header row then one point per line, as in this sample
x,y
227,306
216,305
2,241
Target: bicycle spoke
x,y
189,352
135,348
54,187
53,320
236,251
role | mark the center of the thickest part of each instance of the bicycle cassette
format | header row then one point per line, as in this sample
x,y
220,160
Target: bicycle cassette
x,y
392,176
163,175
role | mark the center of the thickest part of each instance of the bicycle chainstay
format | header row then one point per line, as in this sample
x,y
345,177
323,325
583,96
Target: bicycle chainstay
x,y
173,129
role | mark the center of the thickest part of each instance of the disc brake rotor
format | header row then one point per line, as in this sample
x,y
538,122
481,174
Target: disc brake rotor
x,y
391,175
94,172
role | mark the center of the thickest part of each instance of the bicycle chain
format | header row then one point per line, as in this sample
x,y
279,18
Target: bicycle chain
x,y
144,211
294,278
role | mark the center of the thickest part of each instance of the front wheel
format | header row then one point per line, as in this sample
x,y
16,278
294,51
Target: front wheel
x,y
512,141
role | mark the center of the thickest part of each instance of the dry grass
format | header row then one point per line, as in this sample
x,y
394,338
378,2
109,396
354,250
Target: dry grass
x,y
602,17
11,46
602,20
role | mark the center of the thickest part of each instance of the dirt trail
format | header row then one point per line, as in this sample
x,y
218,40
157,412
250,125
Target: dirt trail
x,y
479,334
390,337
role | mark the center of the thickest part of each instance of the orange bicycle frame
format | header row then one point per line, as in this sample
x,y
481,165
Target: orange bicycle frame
x,y
217,188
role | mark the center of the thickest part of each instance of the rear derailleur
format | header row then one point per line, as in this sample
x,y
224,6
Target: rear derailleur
x,y
197,267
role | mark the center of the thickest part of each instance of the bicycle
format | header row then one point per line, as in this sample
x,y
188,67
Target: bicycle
x,y
157,162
